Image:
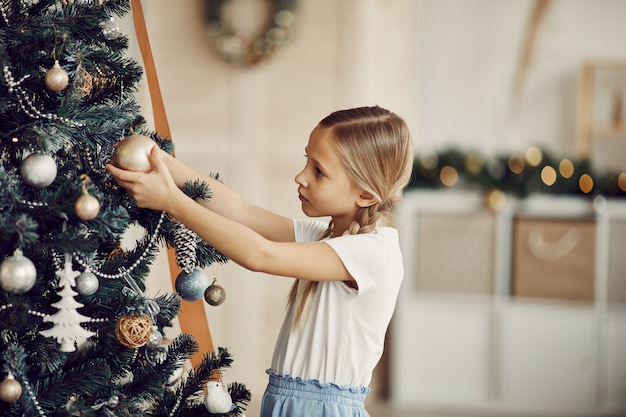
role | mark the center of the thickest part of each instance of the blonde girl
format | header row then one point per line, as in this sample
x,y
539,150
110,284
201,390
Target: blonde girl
x,y
347,272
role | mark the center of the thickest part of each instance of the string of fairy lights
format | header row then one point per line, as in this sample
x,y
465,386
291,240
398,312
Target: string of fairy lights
x,y
520,174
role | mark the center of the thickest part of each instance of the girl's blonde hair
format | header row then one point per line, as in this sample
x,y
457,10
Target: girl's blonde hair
x,y
376,149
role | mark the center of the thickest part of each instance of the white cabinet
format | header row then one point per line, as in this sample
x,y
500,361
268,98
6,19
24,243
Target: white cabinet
x,y
464,337
549,358
447,360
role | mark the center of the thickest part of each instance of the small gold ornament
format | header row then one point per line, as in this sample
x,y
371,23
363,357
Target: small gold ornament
x,y
56,78
133,331
86,206
132,153
215,294
10,389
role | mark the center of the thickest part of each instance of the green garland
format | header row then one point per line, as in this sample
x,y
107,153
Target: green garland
x,y
248,50
520,175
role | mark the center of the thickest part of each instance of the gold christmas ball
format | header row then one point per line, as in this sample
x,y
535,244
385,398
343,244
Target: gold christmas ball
x,y
133,331
215,294
132,153
10,389
87,207
56,78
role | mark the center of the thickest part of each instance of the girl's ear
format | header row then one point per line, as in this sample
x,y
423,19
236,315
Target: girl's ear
x,y
366,199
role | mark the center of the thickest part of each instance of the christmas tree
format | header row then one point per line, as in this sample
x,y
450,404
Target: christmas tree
x,y
78,334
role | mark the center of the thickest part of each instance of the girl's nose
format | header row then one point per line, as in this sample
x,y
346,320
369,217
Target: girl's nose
x,y
300,179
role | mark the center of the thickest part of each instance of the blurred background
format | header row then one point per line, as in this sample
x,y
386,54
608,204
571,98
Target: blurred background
x,y
490,76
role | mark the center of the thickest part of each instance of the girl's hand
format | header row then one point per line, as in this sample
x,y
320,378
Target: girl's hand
x,y
154,190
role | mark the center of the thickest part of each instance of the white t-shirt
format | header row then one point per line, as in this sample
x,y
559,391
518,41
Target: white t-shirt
x,y
342,339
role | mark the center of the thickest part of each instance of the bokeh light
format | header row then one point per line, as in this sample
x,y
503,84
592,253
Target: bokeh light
x,y
566,168
449,176
585,183
548,175
473,164
516,163
534,156
621,181
496,199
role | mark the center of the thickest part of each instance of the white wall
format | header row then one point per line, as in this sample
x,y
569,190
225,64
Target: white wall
x,y
445,65
469,53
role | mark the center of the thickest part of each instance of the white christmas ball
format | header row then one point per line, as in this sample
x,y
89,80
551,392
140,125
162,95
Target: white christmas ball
x,y
132,153
38,170
17,273
217,399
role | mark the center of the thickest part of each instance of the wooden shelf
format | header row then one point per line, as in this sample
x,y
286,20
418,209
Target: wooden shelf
x,y
589,127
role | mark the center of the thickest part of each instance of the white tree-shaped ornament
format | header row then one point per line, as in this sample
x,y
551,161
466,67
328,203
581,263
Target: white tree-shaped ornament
x,y
67,329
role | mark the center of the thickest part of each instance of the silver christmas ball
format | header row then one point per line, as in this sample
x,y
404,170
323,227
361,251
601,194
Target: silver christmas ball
x,y
191,286
38,170
215,294
56,78
17,273
87,283
10,389
110,29
87,207
132,153
155,338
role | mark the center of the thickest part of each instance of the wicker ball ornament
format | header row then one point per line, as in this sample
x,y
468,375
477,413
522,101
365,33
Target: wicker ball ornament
x,y
133,331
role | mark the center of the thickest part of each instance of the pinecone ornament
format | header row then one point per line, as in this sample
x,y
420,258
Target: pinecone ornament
x,y
185,244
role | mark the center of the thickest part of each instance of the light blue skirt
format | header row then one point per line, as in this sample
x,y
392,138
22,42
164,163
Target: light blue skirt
x,y
287,396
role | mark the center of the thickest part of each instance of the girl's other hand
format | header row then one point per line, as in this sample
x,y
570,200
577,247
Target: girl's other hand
x,y
154,189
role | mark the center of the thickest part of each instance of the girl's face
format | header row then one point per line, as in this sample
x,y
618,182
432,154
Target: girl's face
x,y
324,186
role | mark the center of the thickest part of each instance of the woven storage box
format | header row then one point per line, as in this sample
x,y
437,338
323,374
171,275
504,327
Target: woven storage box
x,y
455,253
554,259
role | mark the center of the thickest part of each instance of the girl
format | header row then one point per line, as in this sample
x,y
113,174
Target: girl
x,y
347,272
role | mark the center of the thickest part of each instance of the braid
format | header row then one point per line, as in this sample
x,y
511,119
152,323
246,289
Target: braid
x,y
369,217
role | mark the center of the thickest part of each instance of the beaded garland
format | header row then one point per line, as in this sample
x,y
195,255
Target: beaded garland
x,y
240,47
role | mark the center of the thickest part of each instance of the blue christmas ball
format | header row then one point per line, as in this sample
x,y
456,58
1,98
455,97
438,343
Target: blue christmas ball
x,y
191,286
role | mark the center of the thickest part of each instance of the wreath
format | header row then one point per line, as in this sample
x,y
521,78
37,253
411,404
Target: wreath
x,y
242,48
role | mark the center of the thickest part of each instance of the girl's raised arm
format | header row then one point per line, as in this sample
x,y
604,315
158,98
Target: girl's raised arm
x,y
159,188
252,237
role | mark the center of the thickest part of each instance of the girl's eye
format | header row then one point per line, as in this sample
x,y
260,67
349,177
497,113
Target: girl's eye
x,y
318,172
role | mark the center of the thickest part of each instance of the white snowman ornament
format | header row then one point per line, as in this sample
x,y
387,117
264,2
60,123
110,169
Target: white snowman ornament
x,y
217,399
